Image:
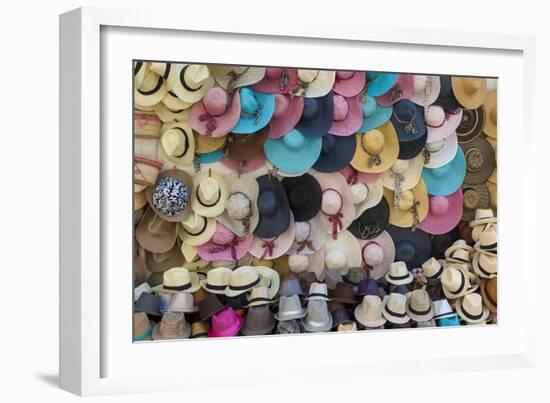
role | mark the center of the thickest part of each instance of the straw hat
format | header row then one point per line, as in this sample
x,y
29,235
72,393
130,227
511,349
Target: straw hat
x,y
317,291
225,245
146,171
209,194
232,77
217,280
455,282
408,120
366,195
314,83
272,248
432,268
260,296
140,69
459,244
197,230
151,91
273,207
190,81
294,152
401,89
447,178
471,125
259,321
372,221
176,105
278,80
192,260
489,293
490,106
440,123
241,214
485,265
471,309
353,176
480,160
172,326
349,83
243,279
182,302
412,206
142,327
347,327
482,217
206,145
146,124
406,173
343,252
493,196
419,306
369,312
217,113
376,149
487,242
160,262
347,116
170,197
155,234
179,279
469,91
444,214
411,247
394,308
441,152
336,152
318,318
425,89
244,148
476,197
199,330
168,115
313,263
379,83
398,274
287,113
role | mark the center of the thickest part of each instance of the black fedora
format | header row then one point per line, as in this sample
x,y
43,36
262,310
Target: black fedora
x,y
336,153
316,116
440,243
410,149
273,207
304,196
372,222
411,247
446,98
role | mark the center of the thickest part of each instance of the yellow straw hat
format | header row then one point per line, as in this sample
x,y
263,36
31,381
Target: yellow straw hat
x,y
415,198
376,150
469,91
490,106
207,144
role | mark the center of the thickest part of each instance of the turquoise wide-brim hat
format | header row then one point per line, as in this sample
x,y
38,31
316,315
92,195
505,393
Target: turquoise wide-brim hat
x,y
293,152
380,83
211,157
256,111
374,115
446,179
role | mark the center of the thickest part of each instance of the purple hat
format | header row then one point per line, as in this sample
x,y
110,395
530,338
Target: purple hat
x,y
444,213
349,83
403,88
367,286
316,117
225,323
278,80
347,116
288,111
225,245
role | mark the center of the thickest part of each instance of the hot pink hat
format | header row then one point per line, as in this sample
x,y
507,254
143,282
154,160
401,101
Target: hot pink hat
x,y
225,323
225,245
216,114
274,247
349,83
403,88
288,111
444,214
347,117
278,80
250,165
441,124
377,254
353,176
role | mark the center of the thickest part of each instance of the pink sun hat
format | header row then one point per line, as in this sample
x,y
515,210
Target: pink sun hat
x,y
278,80
440,123
349,83
377,254
403,88
425,89
273,248
216,114
288,111
225,245
353,176
347,117
251,165
444,213
225,323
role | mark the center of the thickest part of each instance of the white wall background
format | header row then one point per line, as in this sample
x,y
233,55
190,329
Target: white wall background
x,y
29,155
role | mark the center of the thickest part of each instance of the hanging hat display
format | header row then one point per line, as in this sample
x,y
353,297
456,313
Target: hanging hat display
x,y
336,153
317,116
278,80
349,83
376,150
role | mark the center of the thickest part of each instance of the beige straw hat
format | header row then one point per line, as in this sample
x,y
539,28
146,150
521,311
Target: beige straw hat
x,y
366,195
369,312
189,82
405,172
172,326
485,265
469,91
342,253
394,308
490,105
151,91
232,77
398,274
177,143
419,306
314,83
471,309
210,193
217,280
196,229
155,234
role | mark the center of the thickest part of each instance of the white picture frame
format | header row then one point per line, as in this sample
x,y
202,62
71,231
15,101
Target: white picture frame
x,y
97,355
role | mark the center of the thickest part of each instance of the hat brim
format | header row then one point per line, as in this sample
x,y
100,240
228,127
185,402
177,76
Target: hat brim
x,y
377,119
391,318
345,241
366,322
420,318
441,224
319,126
281,125
419,122
174,259
404,281
281,318
270,279
376,192
466,99
273,85
354,176
209,209
177,85
324,327
385,241
248,125
411,176
310,185
452,121
202,236
466,131
460,312
468,214
489,162
322,85
339,157
405,82
388,155
206,252
446,179
420,240
281,244
353,120
445,154
380,83
231,331
169,116
249,77
247,185
270,227
487,299
352,86
149,98
372,222
293,160
224,123
244,147
490,103
155,243
184,178
475,267
405,218
411,149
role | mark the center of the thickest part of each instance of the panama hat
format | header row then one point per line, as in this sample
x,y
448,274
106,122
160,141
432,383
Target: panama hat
x,y
455,282
174,104
294,152
441,152
476,197
446,98
394,308
155,234
172,326
178,279
336,153
410,149
160,262
489,293
458,245
403,174
197,230
419,306
259,321
347,115
256,111
146,171
317,291
278,80
272,248
469,91
372,222
164,70
178,143
142,327
432,268
425,89
170,197
309,236
366,195
192,260
408,120
410,208
210,194
146,124
398,274
216,280
349,83
444,213
369,312
314,83
446,179
225,323
480,160
224,245
270,278
260,296
411,247
374,115
304,195
471,309
485,265
490,106
190,81
273,207
471,125
440,123
488,240
140,69
182,302
317,116
343,252
168,115
217,113
287,113
483,217
318,318
244,148
232,77
401,89
241,214
376,149
242,279
377,254
379,83
151,91
337,203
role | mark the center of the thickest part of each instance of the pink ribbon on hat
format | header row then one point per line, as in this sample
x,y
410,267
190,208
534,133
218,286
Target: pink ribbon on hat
x,y
335,219
353,177
268,247
211,123
222,248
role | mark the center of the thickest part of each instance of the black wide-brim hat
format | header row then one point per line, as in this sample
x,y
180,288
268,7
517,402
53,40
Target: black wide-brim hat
x,y
336,153
409,150
411,247
273,207
471,125
446,98
440,243
304,195
372,222
316,116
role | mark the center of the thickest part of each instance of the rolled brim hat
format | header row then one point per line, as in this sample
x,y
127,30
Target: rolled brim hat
x,y
288,111
374,115
348,83
304,194
216,114
411,149
408,120
278,80
377,254
475,197
372,222
336,153
441,152
471,125
317,116
376,150
411,247
446,98
256,111
415,198
440,123
170,198
425,89
379,83
480,160
273,248
401,89
446,179
294,152
273,206
444,214
469,91
347,115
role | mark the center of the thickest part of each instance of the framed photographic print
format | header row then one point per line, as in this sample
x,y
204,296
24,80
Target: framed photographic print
x,y
226,192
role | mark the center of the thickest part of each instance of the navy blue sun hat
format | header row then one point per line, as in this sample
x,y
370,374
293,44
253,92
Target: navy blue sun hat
x,y
446,98
372,222
336,153
411,247
273,207
317,116
408,120
380,83
304,195
410,149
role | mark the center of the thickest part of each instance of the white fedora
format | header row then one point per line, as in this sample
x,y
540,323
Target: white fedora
x,y
394,308
471,309
398,274
216,280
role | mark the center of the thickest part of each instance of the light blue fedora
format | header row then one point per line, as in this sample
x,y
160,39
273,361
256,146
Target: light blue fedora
x,y
380,83
446,179
256,110
294,152
374,115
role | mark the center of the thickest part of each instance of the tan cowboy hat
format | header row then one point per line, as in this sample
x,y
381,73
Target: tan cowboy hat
x,y
241,213
420,308
469,91
369,312
210,192
314,83
178,143
376,150
190,81
490,106
406,172
342,253
232,77
471,309
411,199
366,195
155,234
196,229
151,91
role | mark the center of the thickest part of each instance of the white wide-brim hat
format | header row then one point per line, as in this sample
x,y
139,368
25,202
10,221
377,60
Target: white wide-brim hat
x,y
411,170
366,195
342,253
315,83
446,151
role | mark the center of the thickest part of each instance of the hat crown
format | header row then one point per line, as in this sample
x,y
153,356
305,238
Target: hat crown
x,y
268,203
344,75
224,319
171,323
173,142
218,276
419,300
359,193
406,201
181,301
302,230
461,254
405,110
373,141
368,286
336,260
258,317
274,72
488,237
222,235
396,303
472,85
238,206
317,311
150,82
249,102
141,323
471,198
435,146
452,278
472,304
259,292
289,304
329,144
369,107
197,328
215,101
291,286
312,109
196,74
439,205
282,103
194,223
244,275
341,108
434,115
442,171
294,140
474,159
398,269
431,267
370,307
332,202
307,76
299,197
176,276
400,166
298,263
373,254
405,250
318,288
419,83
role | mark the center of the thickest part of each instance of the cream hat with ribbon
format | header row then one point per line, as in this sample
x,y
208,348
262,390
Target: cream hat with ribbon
x,y
178,143
197,230
151,91
241,213
314,83
398,274
471,309
366,195
189,82
217,280
210,193
179,279
168,115
404,173
232,77
369,312
483,216
342,253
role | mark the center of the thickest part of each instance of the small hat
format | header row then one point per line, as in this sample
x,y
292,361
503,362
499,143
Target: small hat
x,y
411,247
471,124
225,323
217,280
487,241
278,80
366,195
343,293
178,143
409,209
432,268
368,286
394,308
241,214
260,296
272,248
339,314
179,279
398,274
142,327
304,195
480,160
197,230
401,89
419,306
170,197
377,254
242,279
490,106
369,312
146,125
190,81
444,214
273,207
290,286
374,115
469,91
199,329
172,326
225,245
446,179
476,197
440,152
217,113
349,83
411,149
209,306
151,91
347,115
146,171
256,111
489,293
154,234
483,216
485,265
148,303
317,291
376,149
336,152
404,174
455,282
471,309
182,302
343,252
380,83
446,98
287,113
408,120
317,116
314,83
318,318
309,237
425,89
209,194
372,222
289,327
440,123
259,321
232,77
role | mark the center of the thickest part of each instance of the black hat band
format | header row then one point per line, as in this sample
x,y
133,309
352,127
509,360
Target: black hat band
x,y
208,205
260,299
186,144
419,313
488,247
184,83
204,226
177,287
157,87
317,294
215,287
396,314
462,284
403,277
470,316
244,287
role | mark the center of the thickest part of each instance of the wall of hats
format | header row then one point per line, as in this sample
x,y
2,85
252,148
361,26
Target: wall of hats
x,y
281,200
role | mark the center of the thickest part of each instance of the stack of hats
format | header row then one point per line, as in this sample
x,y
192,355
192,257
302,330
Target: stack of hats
x,y
281,200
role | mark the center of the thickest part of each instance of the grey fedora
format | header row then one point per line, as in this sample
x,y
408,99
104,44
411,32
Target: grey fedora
x,y
259,320
318,318
290,308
